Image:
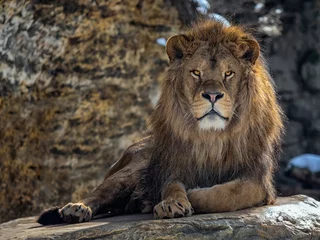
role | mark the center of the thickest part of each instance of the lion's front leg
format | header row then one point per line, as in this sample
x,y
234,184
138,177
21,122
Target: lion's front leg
x,y
174,202
231,196
116,188
114,191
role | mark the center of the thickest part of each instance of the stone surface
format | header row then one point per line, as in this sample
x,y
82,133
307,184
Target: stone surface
x,y
296,217
78,80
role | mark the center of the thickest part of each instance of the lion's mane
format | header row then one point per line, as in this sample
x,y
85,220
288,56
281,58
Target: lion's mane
x,y
248,146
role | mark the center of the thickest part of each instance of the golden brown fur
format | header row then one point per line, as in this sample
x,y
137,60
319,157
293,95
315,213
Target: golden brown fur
x,y
215,133
245,151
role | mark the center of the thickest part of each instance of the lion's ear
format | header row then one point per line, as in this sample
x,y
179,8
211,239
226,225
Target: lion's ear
x,y
249,50
176,47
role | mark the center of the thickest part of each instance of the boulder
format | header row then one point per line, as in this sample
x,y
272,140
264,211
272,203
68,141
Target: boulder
x,y
78,80
296,217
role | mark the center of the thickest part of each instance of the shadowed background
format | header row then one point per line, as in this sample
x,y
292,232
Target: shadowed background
x,y
78,80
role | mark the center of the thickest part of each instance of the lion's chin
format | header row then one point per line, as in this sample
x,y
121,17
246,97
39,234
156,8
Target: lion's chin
x,y
212,122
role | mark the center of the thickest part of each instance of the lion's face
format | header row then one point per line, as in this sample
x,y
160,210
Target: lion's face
x,y
211,78
208,77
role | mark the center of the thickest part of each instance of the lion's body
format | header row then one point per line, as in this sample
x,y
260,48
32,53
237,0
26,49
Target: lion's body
x,y
216,162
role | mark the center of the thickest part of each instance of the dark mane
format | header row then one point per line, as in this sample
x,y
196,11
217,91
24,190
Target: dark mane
x,y
201,158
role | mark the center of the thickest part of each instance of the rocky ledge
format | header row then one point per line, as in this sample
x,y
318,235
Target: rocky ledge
x,y
296,217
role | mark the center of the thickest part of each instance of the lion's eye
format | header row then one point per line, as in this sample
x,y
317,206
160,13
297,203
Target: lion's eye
x,y
195,73
228,74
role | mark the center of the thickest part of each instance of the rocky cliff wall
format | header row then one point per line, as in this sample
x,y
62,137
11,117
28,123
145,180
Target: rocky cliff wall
x,y
77,82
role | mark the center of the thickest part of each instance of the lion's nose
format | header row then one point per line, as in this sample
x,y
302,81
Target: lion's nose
x,y
212,97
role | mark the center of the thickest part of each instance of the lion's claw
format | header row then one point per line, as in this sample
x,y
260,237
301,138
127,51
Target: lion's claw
x,y
172,208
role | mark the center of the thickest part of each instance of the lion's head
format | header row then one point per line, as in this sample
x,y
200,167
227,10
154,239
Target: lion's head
x,y
211,77
216,83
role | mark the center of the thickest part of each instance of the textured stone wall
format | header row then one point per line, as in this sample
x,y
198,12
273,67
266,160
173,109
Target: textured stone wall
x,y
78,80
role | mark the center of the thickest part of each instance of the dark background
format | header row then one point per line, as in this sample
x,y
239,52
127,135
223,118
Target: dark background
x,y
78,80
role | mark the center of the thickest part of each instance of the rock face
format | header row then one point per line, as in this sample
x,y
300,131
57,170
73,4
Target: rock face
x,y
78,80
297,217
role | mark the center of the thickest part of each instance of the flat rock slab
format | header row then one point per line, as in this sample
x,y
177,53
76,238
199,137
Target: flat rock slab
x,y
296,217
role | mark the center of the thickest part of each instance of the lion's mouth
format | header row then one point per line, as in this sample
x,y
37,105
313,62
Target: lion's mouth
x,y
213,113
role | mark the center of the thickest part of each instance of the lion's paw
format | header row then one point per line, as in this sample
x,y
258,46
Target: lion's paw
x,y
173,208
76,213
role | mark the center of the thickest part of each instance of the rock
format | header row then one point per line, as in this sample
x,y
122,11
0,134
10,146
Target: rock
x,y
305,169
296,217
284,79
291,151
293,134
270,24
315,130
311,75
78,80
301,110
314,147
75,83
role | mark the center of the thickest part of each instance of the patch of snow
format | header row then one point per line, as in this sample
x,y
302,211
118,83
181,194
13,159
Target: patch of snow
x,y
272,31
161,41
203,6
270,24
278,11
258,7
308,161
219,18
263,19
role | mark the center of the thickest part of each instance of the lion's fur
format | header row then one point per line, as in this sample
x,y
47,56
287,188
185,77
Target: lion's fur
x,y
184,165
248,147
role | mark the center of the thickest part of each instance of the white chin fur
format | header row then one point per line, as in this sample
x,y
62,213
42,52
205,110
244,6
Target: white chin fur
x,y
212,122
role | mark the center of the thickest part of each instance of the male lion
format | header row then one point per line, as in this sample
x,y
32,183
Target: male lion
x,y
214,137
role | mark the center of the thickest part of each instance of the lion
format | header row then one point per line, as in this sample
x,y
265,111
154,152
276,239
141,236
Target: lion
x,y
214,137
